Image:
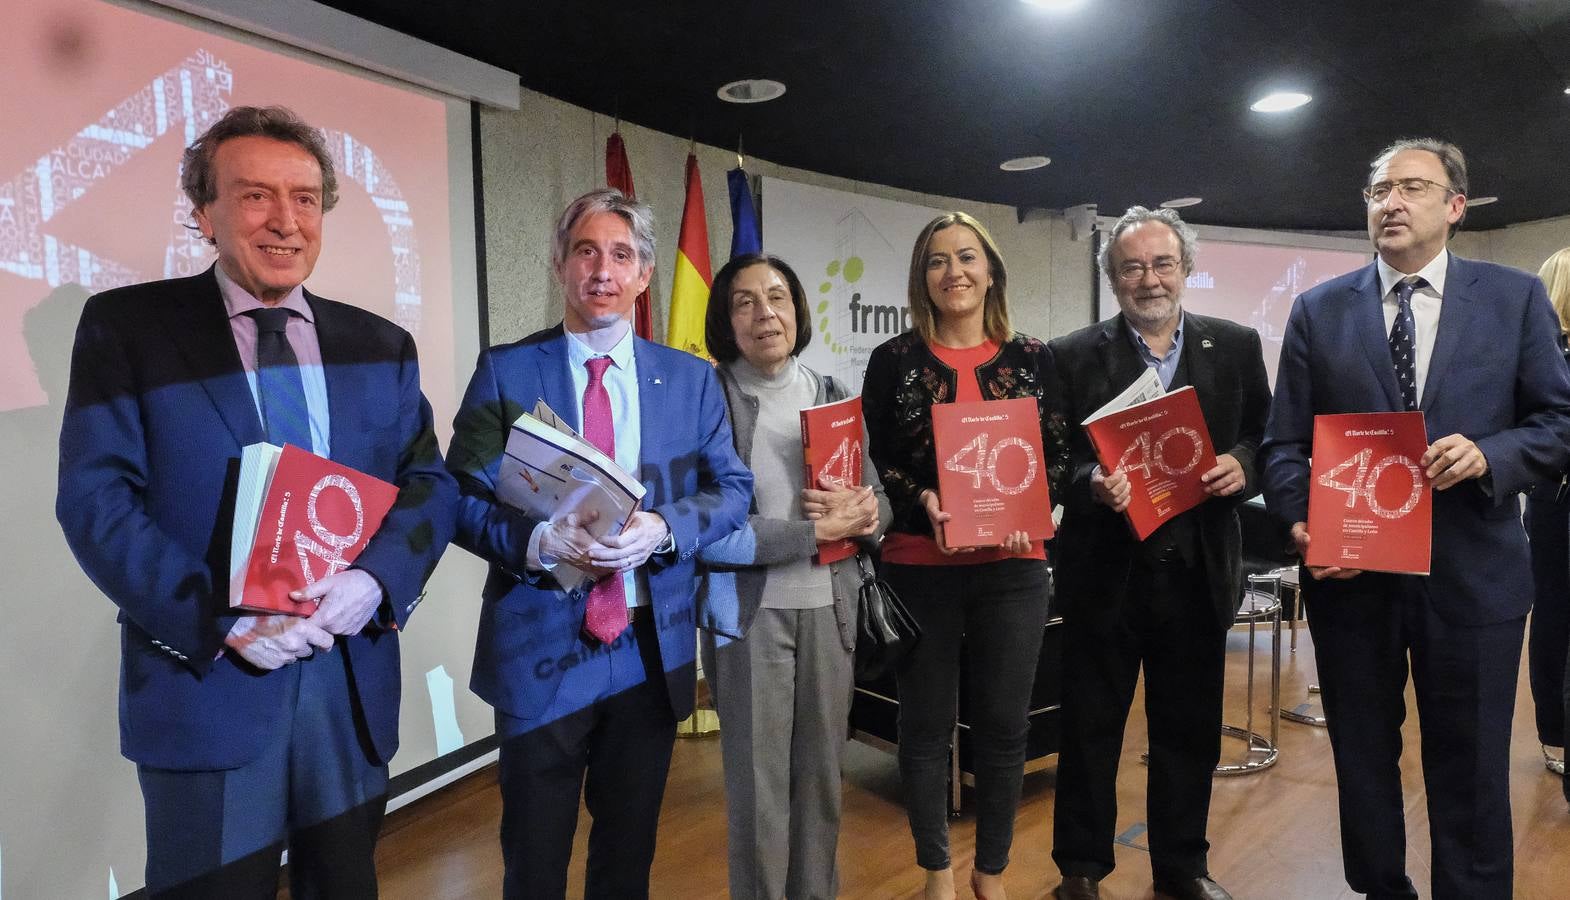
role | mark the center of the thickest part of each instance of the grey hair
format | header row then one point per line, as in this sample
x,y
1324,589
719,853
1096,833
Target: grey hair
x,y
638,216
197,176
1188,238
1450,156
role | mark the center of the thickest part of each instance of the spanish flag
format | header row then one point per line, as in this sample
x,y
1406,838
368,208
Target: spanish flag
x,y
690,284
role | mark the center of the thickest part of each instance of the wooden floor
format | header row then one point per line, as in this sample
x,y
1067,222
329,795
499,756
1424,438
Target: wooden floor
x,y
1273,833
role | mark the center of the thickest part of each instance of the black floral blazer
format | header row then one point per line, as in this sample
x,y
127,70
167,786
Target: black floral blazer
x,y
904,379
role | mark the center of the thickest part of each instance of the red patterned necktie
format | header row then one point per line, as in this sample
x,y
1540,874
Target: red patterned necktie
x,y
605,616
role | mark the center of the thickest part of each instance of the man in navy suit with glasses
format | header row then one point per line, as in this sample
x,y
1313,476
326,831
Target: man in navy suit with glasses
x,y
1473,346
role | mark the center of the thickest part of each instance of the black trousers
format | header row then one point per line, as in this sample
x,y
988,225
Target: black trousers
x,y
1367,631
615,752
1166,623
992,613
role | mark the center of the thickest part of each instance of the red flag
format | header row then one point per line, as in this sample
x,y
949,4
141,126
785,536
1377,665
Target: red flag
x,y
618,174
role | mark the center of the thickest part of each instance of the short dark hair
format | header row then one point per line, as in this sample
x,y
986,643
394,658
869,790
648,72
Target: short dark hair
x,y
197,177
1450,156
718,332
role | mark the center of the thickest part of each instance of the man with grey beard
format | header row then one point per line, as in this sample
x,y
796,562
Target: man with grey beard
x,y
1164,603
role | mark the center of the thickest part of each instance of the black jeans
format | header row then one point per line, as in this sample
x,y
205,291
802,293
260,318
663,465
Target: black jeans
x,y
994,613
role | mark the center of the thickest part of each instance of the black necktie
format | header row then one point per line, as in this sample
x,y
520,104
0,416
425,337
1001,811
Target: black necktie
x,y
285,416
1403,341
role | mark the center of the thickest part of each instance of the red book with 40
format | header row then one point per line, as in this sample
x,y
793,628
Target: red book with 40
x,y
831,437
992,473
1163,446
1369,501
298,519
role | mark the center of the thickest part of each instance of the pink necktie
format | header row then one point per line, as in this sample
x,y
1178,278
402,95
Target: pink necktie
x,y
605,616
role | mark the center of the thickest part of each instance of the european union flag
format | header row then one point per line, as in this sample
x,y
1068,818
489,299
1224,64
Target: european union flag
x,y
746,236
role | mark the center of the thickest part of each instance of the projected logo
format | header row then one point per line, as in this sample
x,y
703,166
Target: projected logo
x,y
860,300
189,98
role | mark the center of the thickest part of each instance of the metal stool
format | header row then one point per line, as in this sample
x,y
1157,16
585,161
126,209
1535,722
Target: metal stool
x,y
1288,576
1261,604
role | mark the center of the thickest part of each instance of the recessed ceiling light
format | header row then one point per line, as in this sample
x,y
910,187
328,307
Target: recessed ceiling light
x,y
1054,5
1280,101
1024,163
1481,201
751,90
1181,202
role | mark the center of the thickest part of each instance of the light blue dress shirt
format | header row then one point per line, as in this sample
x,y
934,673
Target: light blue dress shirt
x,y
1165,365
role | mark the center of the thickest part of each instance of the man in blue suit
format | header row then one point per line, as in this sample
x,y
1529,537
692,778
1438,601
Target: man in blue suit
x,y
251,733
1472,345
589,684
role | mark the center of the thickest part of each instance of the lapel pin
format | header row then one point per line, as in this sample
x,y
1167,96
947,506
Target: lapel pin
x,y
1205,342
657,381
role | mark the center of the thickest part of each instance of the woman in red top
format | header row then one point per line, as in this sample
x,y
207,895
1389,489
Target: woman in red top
x,y
989,604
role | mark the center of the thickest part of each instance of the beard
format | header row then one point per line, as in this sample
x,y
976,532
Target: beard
x,y
1152,313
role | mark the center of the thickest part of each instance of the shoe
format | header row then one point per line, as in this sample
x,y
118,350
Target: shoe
x,y
975,888
1077,887
1554,759
1201,888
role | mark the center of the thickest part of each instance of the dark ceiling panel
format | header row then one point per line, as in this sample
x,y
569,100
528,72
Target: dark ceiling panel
x,y
1136,101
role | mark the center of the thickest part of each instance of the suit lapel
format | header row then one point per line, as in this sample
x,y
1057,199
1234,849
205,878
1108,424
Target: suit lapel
x,y
1456,314
555,382
345,398
1118,359
199,324
1200,358
651,404
1368,320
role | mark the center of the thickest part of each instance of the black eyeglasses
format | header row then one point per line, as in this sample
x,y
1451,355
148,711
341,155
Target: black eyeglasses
x,y
1134,271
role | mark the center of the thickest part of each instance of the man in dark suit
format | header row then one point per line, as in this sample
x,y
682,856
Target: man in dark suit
x,y
588,684
1164,603
250,733
1472,345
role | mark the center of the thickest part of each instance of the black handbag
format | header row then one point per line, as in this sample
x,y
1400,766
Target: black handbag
x,y
885,631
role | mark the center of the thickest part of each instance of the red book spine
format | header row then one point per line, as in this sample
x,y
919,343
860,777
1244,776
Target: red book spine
x,y
1369,502
831,437
315,519
992,473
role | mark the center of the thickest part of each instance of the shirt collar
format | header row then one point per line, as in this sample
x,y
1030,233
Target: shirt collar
x,y
1433,273
579,352
238,301
1144,348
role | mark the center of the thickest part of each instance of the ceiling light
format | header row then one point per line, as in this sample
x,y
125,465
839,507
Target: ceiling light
x,y
1181,202
1024,163
1480,201
751,90
1054,5
1280,101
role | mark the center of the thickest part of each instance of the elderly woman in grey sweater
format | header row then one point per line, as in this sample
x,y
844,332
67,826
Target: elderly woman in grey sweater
x,y
779,628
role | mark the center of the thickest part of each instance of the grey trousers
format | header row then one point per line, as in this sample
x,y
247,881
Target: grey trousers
x,y
783,696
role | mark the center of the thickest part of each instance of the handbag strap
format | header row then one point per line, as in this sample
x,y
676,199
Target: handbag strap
x,y
861,564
